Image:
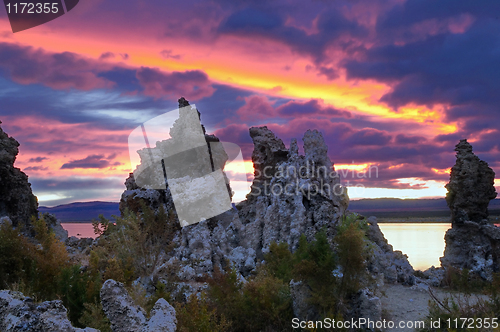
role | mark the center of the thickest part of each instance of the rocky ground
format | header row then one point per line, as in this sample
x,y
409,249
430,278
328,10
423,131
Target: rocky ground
x,y
406,303
411,303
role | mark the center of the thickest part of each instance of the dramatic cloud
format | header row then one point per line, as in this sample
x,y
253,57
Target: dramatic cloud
x,y
65,70
193,84
36,168
331,26
444,53
258,107
390,84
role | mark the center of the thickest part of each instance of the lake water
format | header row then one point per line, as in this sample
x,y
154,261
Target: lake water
x,y
422,242
79,229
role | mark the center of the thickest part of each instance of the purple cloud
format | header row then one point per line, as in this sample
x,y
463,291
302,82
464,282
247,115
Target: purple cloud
x,y
192,84
92,161
65,70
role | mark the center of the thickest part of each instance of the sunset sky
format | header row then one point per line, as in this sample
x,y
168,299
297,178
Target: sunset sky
x,y
391,84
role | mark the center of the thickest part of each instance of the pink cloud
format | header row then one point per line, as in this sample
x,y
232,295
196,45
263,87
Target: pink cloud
x,y
256,107
259,107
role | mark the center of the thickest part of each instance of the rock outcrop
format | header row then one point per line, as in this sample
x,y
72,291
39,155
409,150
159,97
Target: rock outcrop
x,y
55,225
20,313
291,194
470,189
125,316
301,295
471,243
473,246
16,198
386,263
189,156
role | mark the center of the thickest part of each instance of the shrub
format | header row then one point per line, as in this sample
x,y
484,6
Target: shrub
x,y
333,277
465,303
72,287
94,317
16,256
353,251
35,269
51,260
196,315
279,261
316,262
261,304
134,245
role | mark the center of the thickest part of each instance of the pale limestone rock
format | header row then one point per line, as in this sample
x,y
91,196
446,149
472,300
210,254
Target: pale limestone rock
x,y
20,313
162,318
123,314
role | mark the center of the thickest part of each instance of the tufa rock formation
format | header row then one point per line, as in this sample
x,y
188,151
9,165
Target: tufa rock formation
x,y
473,246
125,316
471,243
17,202
291,195
20,313
470,189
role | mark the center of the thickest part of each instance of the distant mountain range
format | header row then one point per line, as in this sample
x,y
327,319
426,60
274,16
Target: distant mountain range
x,y
379,207
82,211
396,207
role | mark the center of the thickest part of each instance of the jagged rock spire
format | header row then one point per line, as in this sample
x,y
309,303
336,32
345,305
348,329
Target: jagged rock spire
x,y
471,186
16,198
183,102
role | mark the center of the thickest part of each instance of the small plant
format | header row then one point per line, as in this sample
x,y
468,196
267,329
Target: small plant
x,y
465,303
196,315
72,287
17,256
94,317
133,246
353,251
279,261
263,303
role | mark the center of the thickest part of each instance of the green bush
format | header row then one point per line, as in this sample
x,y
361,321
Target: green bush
x,y
353,251
93,316
332,276
35,269
279,261
73,289
17,257
51,260
316,262
196,315
262,303
132,247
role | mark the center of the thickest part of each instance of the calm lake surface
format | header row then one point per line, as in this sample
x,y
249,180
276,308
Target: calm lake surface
x,y
422,242
79,229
